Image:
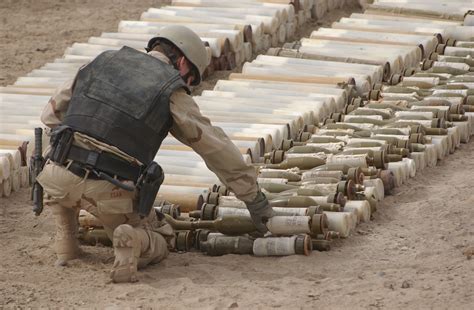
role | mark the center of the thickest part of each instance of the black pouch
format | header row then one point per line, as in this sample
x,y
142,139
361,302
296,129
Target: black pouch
x,y
61,141
148,186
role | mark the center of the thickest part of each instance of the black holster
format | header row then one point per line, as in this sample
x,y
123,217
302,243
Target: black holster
x,y
61,142
148,186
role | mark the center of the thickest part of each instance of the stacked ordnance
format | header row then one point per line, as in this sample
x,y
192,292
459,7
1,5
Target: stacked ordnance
x,y
20,114
458,10
14,173
233,32
317,194
332,124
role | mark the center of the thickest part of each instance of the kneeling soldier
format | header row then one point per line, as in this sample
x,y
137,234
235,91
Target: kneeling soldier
x,y
107,126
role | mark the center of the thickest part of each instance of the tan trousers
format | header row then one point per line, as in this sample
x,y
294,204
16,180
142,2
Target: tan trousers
x,y
68,193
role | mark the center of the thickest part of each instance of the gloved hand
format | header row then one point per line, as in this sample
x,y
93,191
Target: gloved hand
x,y
260,212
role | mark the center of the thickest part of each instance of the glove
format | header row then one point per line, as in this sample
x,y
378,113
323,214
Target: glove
x,y
260,212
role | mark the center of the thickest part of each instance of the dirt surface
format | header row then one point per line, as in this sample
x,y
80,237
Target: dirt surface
x,y
34,32
415,254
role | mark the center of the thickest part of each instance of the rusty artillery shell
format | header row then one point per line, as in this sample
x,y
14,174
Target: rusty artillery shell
x,y
184,240
220,189
208,211
388,180
171,209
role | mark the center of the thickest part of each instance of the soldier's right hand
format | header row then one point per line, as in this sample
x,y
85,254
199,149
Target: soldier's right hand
x,y
260,212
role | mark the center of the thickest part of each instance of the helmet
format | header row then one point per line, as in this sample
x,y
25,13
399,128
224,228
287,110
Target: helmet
x,y
188,43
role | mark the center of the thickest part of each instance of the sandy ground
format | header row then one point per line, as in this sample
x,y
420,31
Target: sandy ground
x,y
34,32
415,254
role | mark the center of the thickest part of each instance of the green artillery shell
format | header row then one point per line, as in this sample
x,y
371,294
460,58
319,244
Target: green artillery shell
x,y
94,236
222,245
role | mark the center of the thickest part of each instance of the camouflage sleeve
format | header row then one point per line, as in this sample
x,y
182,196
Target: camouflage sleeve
x,y
53,113
219,153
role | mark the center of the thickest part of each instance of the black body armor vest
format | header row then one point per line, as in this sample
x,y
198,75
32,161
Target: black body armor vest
x,y
122,99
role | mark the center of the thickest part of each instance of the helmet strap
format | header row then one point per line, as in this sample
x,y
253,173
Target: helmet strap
x,y
187,76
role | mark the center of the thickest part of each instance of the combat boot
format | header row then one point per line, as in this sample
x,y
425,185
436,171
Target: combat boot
x,y
66,244
127,248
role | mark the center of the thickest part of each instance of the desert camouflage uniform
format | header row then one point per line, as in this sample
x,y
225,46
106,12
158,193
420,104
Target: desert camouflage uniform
x,y
67,193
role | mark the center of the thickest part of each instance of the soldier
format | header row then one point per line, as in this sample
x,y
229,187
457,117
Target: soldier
x,y
108,124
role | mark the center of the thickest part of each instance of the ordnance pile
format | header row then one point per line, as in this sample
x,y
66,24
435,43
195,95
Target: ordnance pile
x,y
13,170
332,124
233,32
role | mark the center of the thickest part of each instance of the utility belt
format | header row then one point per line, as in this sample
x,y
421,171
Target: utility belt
x,y
101,162
79,170
106,166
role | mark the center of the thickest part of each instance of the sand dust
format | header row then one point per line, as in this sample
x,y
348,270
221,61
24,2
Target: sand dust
x,y
414,255
34,32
